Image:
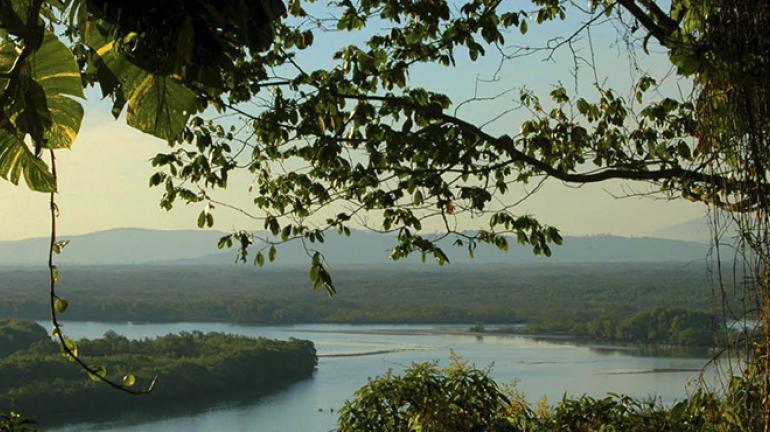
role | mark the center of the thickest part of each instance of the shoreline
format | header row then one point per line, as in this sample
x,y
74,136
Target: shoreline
x,y
438,331
509,332
432,329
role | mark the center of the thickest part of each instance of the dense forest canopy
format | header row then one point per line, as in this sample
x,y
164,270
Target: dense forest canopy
x,y
588,300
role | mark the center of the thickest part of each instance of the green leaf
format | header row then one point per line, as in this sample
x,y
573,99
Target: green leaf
x,y
41,107
56,78
100,372
17,160
160,106
30,114
71,346
417,199
678,410
559,95
66,116
685,61
60,245
157,104
54,67
583,106
8,55
129,380
61,305
225,241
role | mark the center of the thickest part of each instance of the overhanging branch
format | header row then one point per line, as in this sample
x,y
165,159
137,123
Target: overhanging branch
x,y
506,145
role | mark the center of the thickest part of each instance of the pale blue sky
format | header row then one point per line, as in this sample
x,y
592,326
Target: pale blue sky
x,y
103,178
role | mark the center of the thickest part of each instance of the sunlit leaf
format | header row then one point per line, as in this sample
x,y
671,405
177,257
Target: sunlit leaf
x,y
70,349
129,380
157,104
17,160
61,305
41,107
100,372
60,245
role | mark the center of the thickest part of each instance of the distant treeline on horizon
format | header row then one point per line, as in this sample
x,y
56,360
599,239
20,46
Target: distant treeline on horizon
x,y
553,297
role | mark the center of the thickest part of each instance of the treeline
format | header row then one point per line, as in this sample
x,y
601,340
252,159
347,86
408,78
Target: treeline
x,y
18,334
261,311
492,294
193,370
653,326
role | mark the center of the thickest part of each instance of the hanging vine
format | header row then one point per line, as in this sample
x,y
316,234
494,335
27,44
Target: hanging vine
x,y
59,305
733,112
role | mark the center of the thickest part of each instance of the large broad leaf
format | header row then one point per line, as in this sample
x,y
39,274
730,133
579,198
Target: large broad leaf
x,y
29,112
16,160
7,58
205,36
67,115
157,104
54,68
41,106
161,106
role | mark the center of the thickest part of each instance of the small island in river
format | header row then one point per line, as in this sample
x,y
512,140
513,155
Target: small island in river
x,y
193,370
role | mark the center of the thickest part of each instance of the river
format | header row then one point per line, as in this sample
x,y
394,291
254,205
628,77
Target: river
x,y
349,354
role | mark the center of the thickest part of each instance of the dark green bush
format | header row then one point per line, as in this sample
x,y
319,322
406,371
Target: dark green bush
x,y
426,398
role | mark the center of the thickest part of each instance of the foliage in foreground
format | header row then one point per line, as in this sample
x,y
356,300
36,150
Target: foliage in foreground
x,y
426,398
360,134
195,369
15,422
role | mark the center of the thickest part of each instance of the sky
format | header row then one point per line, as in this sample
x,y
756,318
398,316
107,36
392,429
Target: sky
x,y
104,177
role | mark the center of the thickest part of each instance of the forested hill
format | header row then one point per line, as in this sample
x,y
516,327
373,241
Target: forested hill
x,y
140,246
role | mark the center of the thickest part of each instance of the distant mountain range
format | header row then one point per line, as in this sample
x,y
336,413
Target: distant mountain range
x,y
198,247
698,230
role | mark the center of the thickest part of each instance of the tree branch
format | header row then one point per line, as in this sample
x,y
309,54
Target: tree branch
x,y
660,30
506,144
660,17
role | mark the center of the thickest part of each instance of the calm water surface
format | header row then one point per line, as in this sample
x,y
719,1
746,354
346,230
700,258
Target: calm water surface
x,y
540,368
